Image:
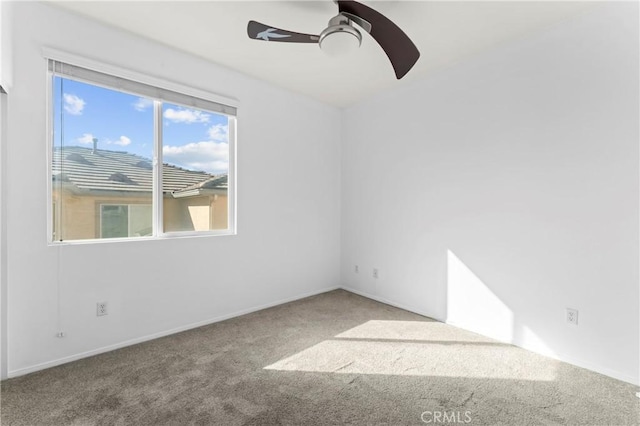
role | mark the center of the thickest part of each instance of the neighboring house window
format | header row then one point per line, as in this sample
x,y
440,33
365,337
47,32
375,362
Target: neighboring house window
x,y
121,221
131,160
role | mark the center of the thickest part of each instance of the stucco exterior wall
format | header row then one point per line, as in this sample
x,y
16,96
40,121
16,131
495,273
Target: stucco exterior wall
x,y
80,214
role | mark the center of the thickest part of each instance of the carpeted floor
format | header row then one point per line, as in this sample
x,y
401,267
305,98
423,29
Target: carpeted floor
x,y
336,358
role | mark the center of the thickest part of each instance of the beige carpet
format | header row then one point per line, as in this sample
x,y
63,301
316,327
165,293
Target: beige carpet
x,y
336,358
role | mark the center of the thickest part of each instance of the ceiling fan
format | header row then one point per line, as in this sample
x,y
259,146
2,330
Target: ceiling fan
x,y
341,35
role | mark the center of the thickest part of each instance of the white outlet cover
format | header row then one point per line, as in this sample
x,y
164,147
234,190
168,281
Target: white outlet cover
x,y
101,309
572,316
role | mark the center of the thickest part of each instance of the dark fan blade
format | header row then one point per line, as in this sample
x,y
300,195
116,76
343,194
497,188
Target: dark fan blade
x,y
401,51
258,31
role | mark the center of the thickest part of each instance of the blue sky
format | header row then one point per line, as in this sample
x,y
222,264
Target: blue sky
x,y
192,139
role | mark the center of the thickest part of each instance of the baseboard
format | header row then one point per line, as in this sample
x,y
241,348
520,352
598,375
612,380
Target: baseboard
x,y
569,360
390,302
589,366
33,368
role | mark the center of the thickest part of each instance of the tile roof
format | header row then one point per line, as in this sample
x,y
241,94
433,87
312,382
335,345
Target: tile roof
x,y
121,171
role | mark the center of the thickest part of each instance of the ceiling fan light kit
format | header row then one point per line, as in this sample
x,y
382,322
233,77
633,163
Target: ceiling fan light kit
x,y
341,37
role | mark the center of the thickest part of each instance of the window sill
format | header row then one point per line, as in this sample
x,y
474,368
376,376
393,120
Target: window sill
x,y
164,237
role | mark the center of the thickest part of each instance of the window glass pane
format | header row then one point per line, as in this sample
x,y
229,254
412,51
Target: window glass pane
x,y
102,150
114,221
195,153
140,216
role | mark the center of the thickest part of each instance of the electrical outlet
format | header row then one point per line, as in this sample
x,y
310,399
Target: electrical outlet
x,y
61,334
375,273
356,269
101,309
572,316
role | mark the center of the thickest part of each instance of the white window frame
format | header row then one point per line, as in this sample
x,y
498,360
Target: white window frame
x,y
157,194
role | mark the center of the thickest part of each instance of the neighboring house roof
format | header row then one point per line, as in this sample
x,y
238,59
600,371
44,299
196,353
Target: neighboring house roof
x,y
121,171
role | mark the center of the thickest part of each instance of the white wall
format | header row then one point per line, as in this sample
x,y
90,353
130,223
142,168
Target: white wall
x,y
288,209
3,241
5,83
499,192
5,46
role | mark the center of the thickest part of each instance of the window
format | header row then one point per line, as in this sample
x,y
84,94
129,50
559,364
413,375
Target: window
x,y
121,221
131,160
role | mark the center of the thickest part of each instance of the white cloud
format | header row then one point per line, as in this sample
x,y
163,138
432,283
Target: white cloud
x,y
219,133
187,116
73,104
123,141
142,104
86,138
208,156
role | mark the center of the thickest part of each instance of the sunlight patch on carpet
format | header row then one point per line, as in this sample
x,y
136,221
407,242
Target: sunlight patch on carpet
x,y
417,348
426,331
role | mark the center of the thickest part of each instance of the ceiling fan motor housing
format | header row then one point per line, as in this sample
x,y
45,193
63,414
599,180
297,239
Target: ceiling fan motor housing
x,y
336,34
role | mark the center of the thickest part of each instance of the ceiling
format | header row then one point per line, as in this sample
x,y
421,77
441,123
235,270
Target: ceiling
x,y
445,32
